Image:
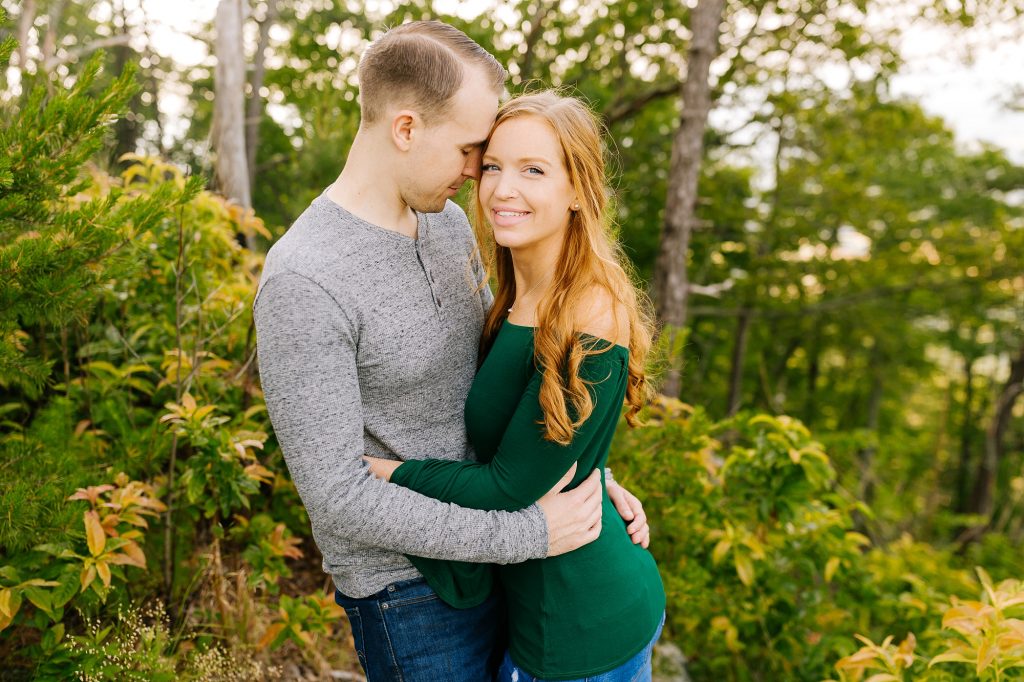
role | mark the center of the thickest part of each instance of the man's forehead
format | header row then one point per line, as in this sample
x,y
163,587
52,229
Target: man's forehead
x,y
474,118
475,106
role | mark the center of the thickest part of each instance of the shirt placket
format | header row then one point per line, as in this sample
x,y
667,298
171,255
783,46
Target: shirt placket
x,y
422,257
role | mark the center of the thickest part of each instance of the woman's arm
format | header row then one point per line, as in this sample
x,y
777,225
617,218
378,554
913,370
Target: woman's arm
x,y
525,465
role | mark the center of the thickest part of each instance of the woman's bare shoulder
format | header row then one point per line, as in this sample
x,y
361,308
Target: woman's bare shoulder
x,y
600,314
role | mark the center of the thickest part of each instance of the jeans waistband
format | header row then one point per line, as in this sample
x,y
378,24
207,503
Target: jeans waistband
x,y
400,589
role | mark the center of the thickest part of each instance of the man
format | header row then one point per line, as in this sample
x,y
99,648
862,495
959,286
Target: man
x,y
368,318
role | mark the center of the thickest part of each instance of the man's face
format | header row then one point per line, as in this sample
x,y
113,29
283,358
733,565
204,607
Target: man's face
x,y
447,153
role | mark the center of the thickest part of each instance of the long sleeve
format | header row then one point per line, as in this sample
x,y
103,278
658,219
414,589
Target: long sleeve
x,y
525,466
308,368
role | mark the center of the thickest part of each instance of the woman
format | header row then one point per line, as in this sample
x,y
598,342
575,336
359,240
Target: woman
x,y
563,347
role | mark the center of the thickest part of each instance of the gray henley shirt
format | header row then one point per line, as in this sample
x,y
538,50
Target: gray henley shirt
x,y
367,343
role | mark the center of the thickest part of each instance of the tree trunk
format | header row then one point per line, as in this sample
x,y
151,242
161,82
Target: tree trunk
x,y
254,107
866,455
229,108
813,370
537,21
670,282
739,352
985,483
963,479
126,130
49,47
25,21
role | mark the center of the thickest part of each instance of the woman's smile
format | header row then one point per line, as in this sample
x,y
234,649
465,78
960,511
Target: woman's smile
x,y
507,217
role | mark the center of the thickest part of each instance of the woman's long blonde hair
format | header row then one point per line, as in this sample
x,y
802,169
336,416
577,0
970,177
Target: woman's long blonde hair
x,y
590,258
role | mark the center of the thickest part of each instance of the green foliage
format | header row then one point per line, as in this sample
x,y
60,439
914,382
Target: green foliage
x,y
98,368
126,346
751,542
267,545
300,620
981,640
767,577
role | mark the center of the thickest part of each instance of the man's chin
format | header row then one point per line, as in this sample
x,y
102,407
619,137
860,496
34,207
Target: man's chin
x,y
435,206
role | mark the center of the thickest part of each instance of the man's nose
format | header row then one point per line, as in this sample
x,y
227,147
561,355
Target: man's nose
x,y
472,168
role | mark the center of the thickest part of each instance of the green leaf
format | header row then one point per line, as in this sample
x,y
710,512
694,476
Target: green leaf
x,y
950,657
40,598
744,568
68,588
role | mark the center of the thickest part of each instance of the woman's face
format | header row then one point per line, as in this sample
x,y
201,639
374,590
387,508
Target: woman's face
x,y
524,186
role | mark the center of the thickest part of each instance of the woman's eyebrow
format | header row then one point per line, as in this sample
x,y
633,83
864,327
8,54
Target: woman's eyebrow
x,y
526,159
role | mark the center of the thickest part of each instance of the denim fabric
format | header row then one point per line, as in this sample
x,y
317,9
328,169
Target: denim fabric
x,y
405,633
636,669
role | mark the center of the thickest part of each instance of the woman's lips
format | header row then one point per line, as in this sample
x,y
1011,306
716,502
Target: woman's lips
x,y
507,217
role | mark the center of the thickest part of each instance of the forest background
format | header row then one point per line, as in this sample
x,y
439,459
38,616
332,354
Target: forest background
x,y
834,472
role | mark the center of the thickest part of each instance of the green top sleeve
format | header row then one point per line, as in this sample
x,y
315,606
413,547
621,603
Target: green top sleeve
x,y
525,466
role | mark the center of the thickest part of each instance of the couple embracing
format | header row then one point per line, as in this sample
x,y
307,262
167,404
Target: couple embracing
x,y
449,444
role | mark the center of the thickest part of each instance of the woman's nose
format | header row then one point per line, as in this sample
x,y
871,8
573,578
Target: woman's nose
x,y
505,189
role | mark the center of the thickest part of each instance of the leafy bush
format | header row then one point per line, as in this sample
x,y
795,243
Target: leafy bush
x,y
767,578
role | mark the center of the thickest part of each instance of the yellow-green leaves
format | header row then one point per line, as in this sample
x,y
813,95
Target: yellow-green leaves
x,y
831,566
745,547
989,637
112,528
890,660
11,597
300,620
94,533
986,639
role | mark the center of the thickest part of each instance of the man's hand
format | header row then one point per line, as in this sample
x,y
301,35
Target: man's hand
x,y
381,468
574,517
631,511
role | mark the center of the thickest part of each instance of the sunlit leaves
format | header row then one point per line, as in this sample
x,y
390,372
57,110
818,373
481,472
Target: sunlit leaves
x,y
94,533
990,638
111,528
301,620
893,660
752,542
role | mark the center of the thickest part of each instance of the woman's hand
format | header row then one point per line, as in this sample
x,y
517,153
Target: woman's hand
x,y
381,468
632,511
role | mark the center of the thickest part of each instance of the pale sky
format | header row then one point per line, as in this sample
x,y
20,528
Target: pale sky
x,y
971,97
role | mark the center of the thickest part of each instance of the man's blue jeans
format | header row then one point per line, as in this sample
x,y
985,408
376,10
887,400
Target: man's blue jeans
x,y
405,633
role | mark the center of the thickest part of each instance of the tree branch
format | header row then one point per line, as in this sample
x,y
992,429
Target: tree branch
x,y
536,23
620,110
841,302
74,55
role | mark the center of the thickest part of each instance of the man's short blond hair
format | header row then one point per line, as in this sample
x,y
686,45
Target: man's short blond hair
x,y
421,65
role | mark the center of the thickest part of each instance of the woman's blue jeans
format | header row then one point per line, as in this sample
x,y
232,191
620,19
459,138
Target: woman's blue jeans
x,y
636,669
405,633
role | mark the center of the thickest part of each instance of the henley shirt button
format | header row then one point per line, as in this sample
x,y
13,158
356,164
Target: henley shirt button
x,y
391,588
383,606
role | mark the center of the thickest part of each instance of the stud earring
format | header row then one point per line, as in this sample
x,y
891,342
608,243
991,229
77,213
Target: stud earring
x,y
576,206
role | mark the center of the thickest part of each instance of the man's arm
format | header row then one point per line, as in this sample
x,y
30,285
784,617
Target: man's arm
x,y
306,349
525,464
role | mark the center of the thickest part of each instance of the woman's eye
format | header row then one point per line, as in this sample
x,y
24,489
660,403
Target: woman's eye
x,y
534,170
488,167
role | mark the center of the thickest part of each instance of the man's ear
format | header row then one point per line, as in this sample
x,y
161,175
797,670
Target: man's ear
x,y
404,125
